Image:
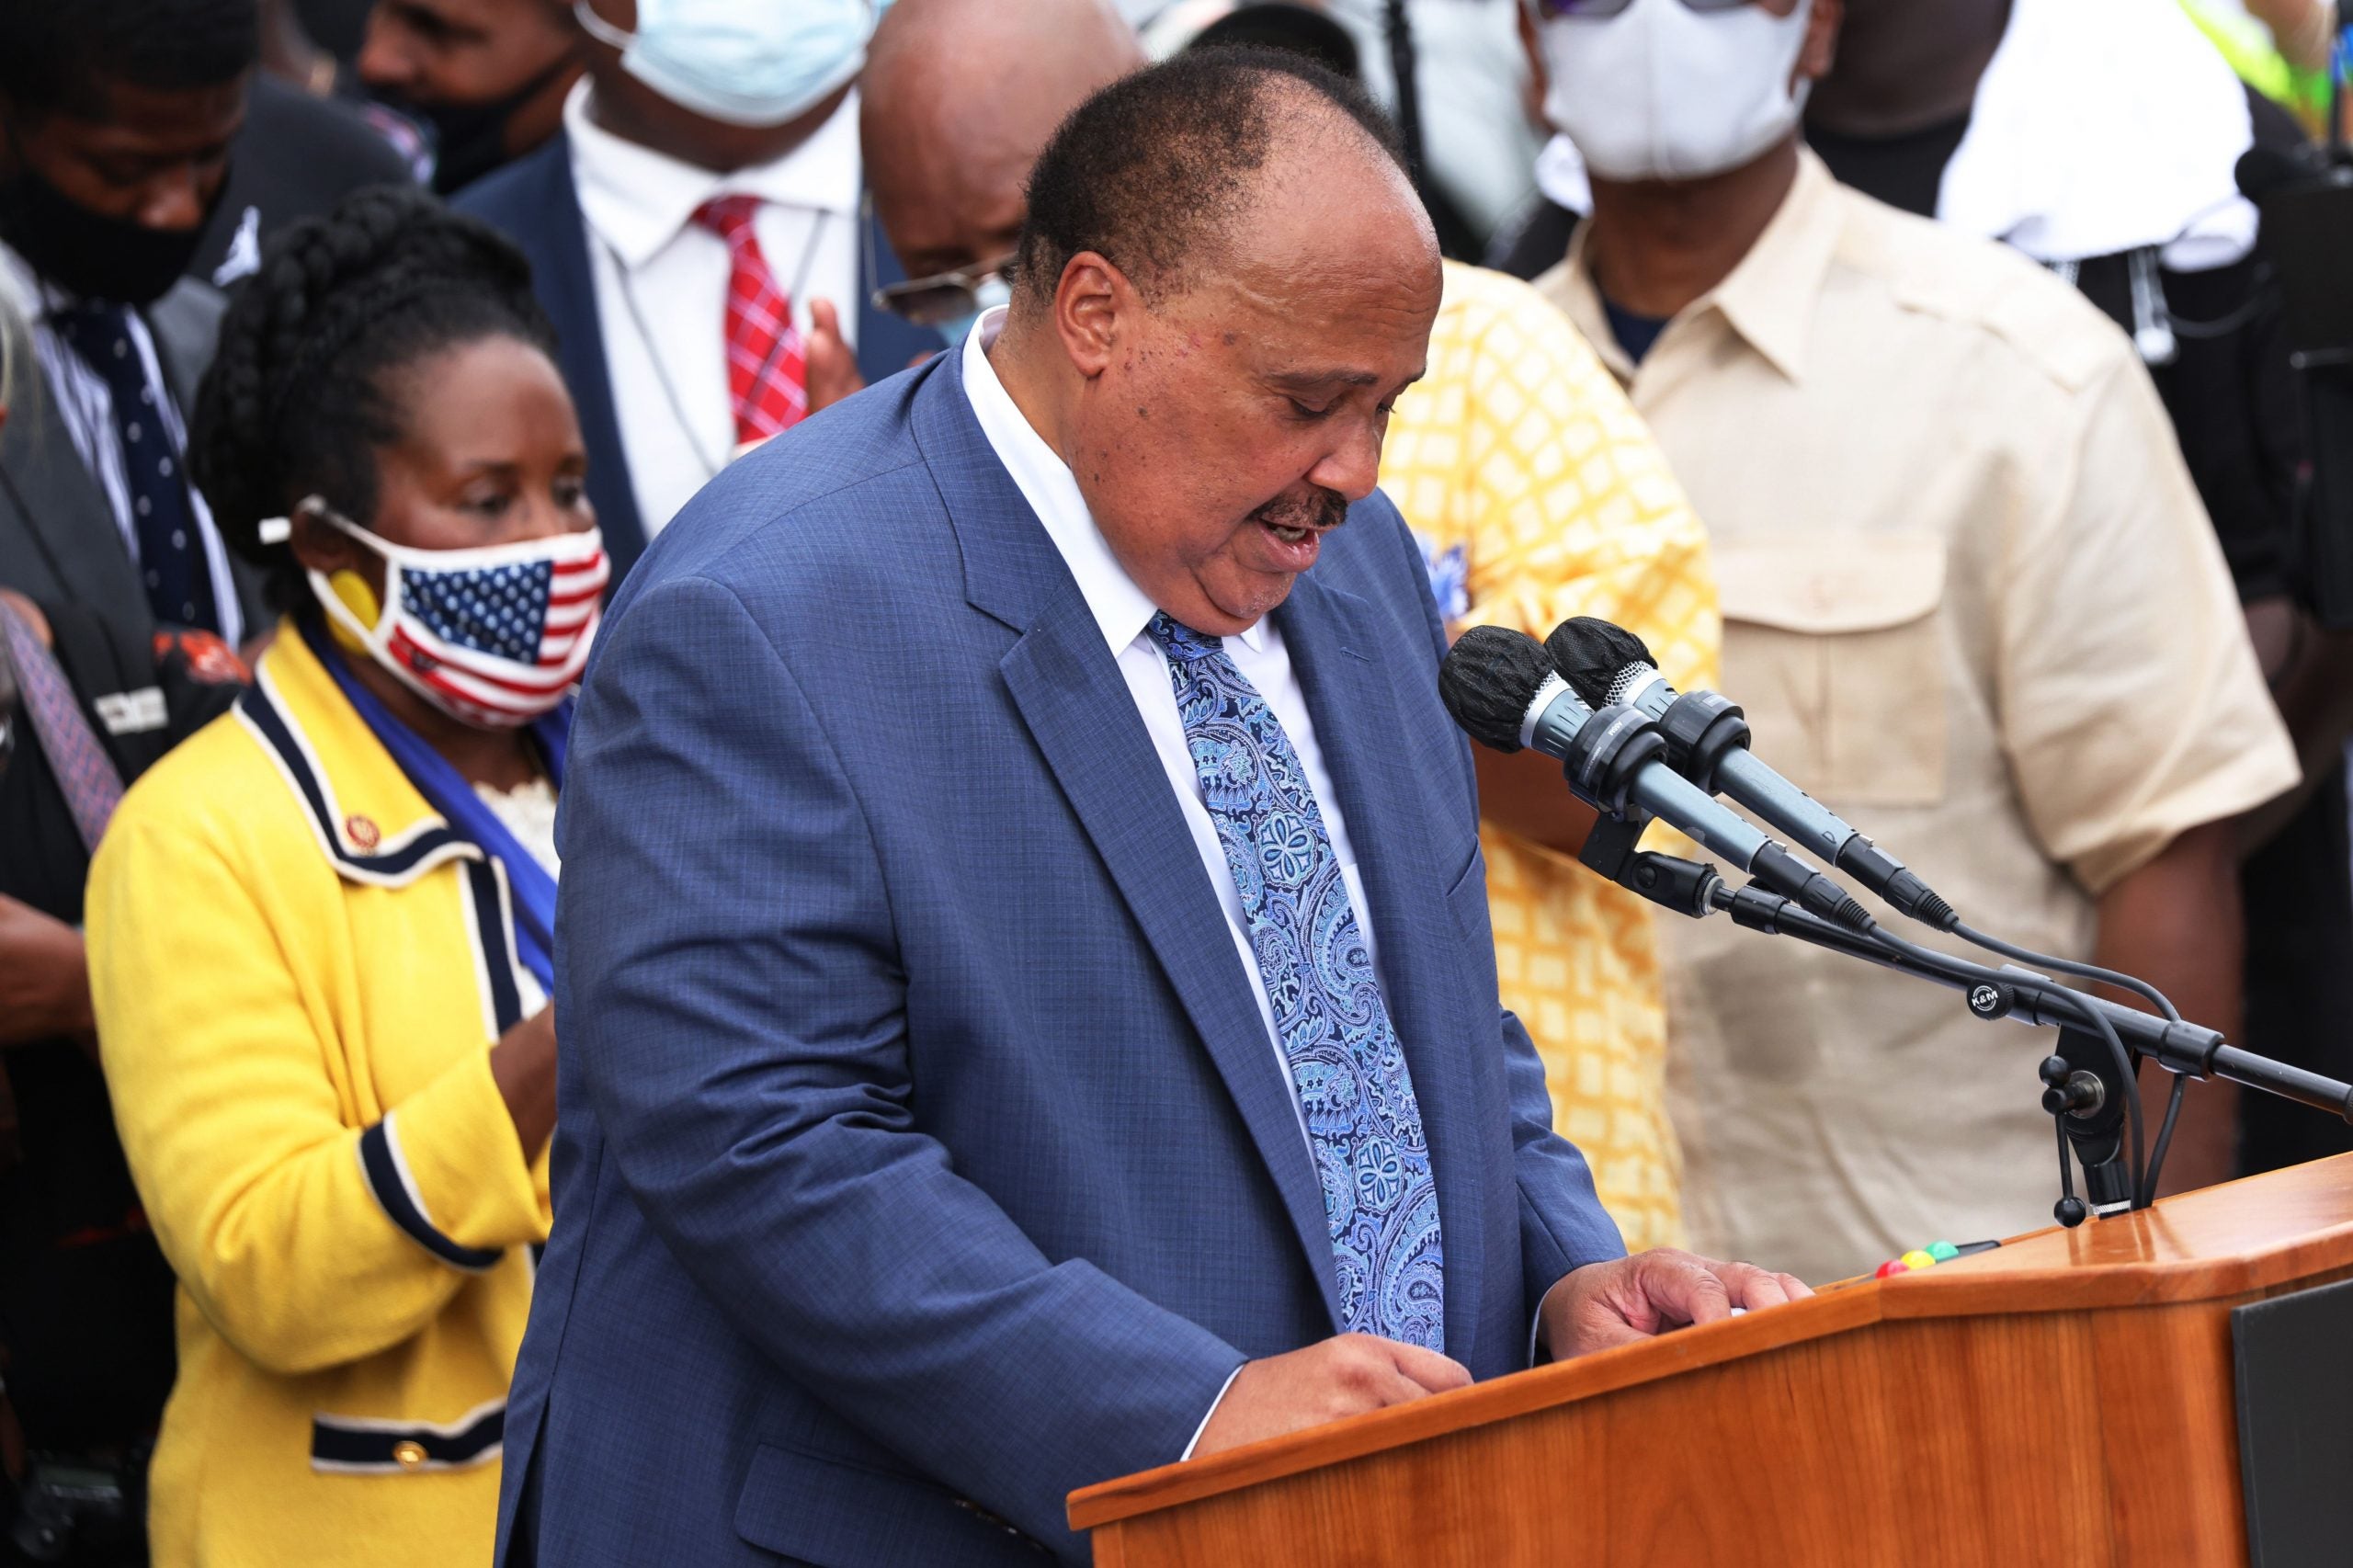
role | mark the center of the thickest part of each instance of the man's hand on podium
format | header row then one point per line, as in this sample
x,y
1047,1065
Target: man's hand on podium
x,y
1346,1376
1631,1299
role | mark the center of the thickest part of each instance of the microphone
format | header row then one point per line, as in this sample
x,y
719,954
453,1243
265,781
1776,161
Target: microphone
x,y
1707,741
1501,688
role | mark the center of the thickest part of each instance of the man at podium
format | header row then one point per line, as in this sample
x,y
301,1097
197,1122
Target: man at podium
x,y
1028,1007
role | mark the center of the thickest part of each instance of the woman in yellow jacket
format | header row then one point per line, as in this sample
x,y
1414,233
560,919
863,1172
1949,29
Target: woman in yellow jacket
x,y
319,931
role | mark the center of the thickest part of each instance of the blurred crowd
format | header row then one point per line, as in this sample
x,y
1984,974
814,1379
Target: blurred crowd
x,y
1913,373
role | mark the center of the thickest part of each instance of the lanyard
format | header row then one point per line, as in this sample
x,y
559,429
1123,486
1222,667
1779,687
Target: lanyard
x,y
623,276
532,887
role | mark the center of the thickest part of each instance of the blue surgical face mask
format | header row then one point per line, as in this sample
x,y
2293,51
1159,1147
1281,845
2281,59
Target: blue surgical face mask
x,y
987,295
753,62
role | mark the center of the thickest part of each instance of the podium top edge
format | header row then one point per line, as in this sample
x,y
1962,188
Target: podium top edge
x,y
2242,1237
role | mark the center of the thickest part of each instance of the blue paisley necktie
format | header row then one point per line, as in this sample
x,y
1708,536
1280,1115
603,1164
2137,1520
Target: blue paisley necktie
x,y
1363,1124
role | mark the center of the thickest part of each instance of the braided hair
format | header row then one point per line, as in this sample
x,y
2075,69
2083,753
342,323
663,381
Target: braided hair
x,y
302,390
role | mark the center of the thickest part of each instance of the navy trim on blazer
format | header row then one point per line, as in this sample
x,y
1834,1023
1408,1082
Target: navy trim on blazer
x,y
405,860
352,1444
486,886
380,1162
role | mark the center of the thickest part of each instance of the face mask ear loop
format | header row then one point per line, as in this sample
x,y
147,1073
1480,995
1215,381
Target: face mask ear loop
x,y
375,639
595,26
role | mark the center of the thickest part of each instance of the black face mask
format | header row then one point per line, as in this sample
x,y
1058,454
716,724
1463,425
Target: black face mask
x,y
470,140
89,254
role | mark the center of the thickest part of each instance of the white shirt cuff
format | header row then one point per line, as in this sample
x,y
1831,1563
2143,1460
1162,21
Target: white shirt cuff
x,y
1537,1327
1208,1414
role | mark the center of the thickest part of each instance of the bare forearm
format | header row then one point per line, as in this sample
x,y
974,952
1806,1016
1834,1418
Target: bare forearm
x,y
44,979
2176,924
2310,673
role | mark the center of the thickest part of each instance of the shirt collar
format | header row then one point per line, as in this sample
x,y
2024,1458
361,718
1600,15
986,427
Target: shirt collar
x,y
1768,298
1121,609
35,297
637,199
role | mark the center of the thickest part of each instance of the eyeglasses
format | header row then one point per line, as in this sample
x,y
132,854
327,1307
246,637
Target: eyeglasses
x,y
1555,10
943,296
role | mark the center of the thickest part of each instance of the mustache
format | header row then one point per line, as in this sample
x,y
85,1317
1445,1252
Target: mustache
x,y
1322,509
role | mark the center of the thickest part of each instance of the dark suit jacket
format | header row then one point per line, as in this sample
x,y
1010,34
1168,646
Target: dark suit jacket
x,y
58,539
920,1139
534,202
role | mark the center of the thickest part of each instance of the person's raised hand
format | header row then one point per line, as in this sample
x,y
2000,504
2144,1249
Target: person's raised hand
x,y
1347,1376
833,369
1631,1299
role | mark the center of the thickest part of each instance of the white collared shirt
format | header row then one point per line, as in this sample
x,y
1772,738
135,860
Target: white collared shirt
x,y
1123,611
86,408
661,281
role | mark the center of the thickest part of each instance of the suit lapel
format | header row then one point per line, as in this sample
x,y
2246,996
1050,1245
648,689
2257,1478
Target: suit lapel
x,y
1335,646
564,280
69,526
1067,686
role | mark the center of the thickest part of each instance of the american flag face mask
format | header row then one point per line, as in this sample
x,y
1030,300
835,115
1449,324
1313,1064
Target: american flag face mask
x,y
494,637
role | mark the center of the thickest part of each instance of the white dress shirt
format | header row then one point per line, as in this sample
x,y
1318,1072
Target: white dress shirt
x,y
85,406
661,281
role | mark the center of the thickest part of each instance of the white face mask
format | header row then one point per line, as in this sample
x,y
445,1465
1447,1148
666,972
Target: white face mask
x,y
754,62
1662,92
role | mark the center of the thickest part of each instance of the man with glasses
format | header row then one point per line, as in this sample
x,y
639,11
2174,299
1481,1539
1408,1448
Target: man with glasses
x,y
1971,603
957,102
698,236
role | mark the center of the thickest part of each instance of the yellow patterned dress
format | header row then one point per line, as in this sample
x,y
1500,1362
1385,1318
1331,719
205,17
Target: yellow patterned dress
x,y
1538,493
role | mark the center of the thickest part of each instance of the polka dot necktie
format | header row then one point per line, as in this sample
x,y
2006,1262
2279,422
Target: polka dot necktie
x,y
1364,1125
768,374
172,565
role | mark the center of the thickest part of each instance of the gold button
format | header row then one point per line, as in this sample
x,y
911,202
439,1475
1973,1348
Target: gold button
x,y
409,1452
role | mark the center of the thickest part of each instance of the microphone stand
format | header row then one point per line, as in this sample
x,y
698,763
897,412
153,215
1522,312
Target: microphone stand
x,y
2084,1092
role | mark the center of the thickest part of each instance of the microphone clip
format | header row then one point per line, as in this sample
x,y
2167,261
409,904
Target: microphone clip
x,y
1686,887
1607,754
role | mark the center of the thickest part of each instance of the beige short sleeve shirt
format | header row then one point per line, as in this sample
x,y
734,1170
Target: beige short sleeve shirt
x,y
1971,603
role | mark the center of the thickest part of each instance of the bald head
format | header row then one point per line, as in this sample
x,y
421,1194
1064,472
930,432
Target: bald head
x,y
957,99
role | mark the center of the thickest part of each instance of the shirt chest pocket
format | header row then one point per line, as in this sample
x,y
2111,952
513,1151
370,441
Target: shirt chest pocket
x,y
1834,644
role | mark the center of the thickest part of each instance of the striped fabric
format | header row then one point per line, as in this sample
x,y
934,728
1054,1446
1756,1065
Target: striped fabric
x,y
78,759
768,374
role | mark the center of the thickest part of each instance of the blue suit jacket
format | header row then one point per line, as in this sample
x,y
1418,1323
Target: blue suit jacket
x,y
534,202
921,1148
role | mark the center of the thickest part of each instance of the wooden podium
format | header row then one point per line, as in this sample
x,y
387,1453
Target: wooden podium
x,y
2068,1398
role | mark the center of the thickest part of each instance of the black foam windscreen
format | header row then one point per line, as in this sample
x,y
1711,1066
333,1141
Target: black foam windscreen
x,y
1490,676
1589,654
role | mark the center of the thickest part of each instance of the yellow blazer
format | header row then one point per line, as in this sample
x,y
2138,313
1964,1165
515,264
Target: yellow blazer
x,y
299,971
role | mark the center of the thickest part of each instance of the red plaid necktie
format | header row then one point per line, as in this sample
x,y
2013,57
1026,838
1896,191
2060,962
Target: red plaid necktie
x,y
766,371
76,759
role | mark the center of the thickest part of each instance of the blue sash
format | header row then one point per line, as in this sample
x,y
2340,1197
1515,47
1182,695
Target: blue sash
x,y
532,888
